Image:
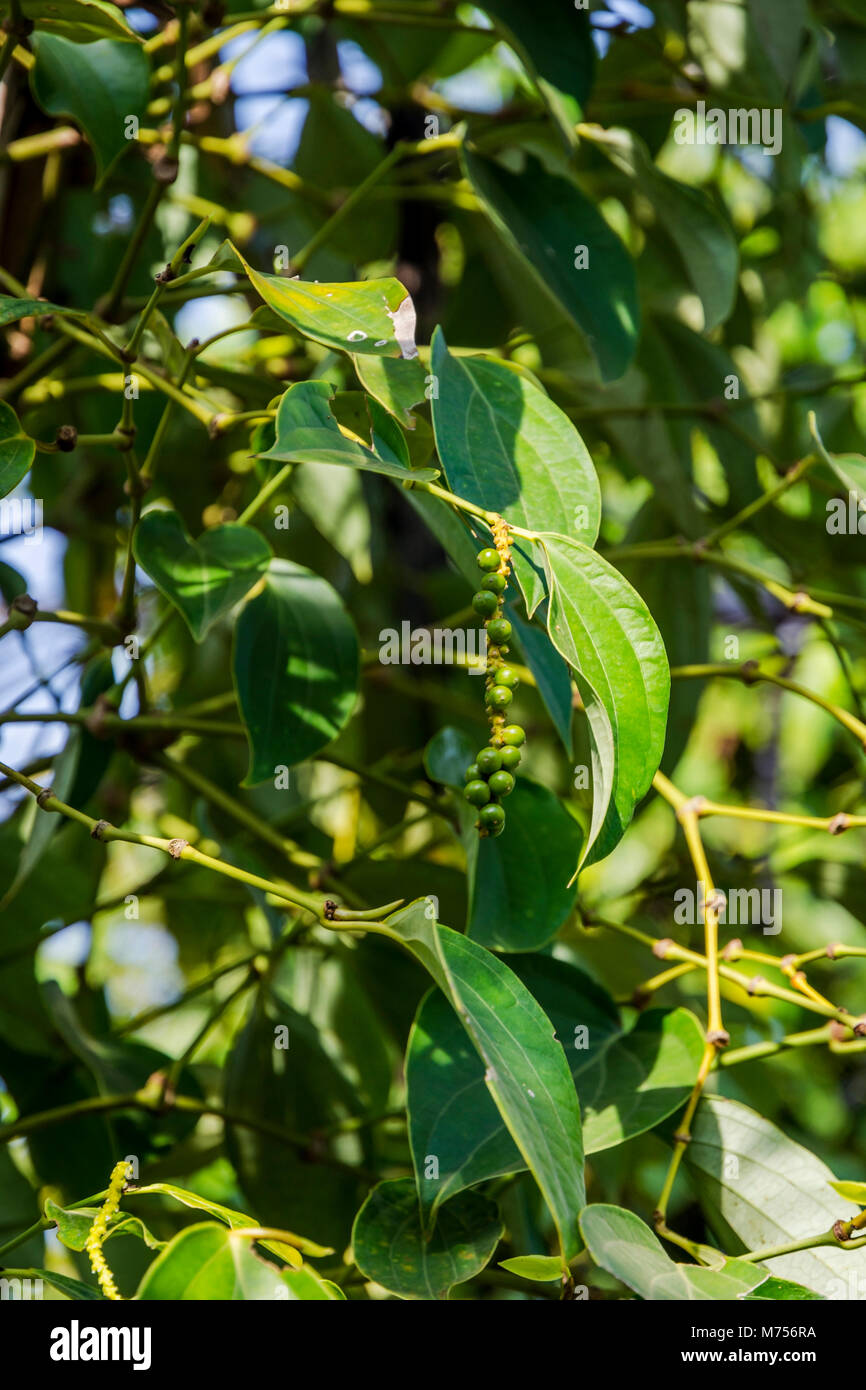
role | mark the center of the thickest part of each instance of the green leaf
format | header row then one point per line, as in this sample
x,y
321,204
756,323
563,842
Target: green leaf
x,y
204,579
552,676
306,432
683,614
391,1247
398,384
701,240
296,668
544,1269
335,503
519,880
74,1225
607,635
507,447
781,1290
279,1074
99,85
12,309
620,1243
207,1262
519,894
557,42
79,21
851,1191
44,827
627,1081
543,219
237,1220
850,469
17,450
364,316
758,1188
526,1071
70,1288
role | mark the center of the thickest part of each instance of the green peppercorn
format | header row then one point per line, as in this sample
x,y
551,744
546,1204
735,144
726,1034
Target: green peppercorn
x,y
510,757
496,583
501,783
485,603
477,793
499,696
491,819
514,735
506,675
471,774
488,559
499,630
488,760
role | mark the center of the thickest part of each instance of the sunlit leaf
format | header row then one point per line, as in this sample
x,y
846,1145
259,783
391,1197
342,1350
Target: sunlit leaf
x,y
204,578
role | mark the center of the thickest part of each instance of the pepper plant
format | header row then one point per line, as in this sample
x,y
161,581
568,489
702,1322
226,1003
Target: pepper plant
x,y
433,657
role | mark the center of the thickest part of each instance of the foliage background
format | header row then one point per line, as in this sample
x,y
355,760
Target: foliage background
x,y
767,283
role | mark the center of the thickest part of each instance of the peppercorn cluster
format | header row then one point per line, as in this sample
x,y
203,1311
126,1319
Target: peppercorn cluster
x,y
491,776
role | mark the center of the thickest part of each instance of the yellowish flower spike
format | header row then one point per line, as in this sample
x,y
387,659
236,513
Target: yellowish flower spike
x,y
99,1230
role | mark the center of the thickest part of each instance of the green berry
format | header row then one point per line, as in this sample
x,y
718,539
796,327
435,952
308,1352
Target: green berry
x,y
499,630
488,760
491,819
510,757
495,582
477,793
488,559
485,603
499,696
471,774
501,783
513,735
506,676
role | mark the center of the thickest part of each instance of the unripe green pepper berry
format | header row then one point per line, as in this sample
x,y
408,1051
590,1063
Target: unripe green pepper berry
x,y
498,630
492,819
471,774
485,603
488,559
501,783
477,793
488,760
514,735
499,696
496,583
510,757
507,676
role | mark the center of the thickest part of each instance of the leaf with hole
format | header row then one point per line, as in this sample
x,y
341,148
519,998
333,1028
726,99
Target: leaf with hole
x,y
364,316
